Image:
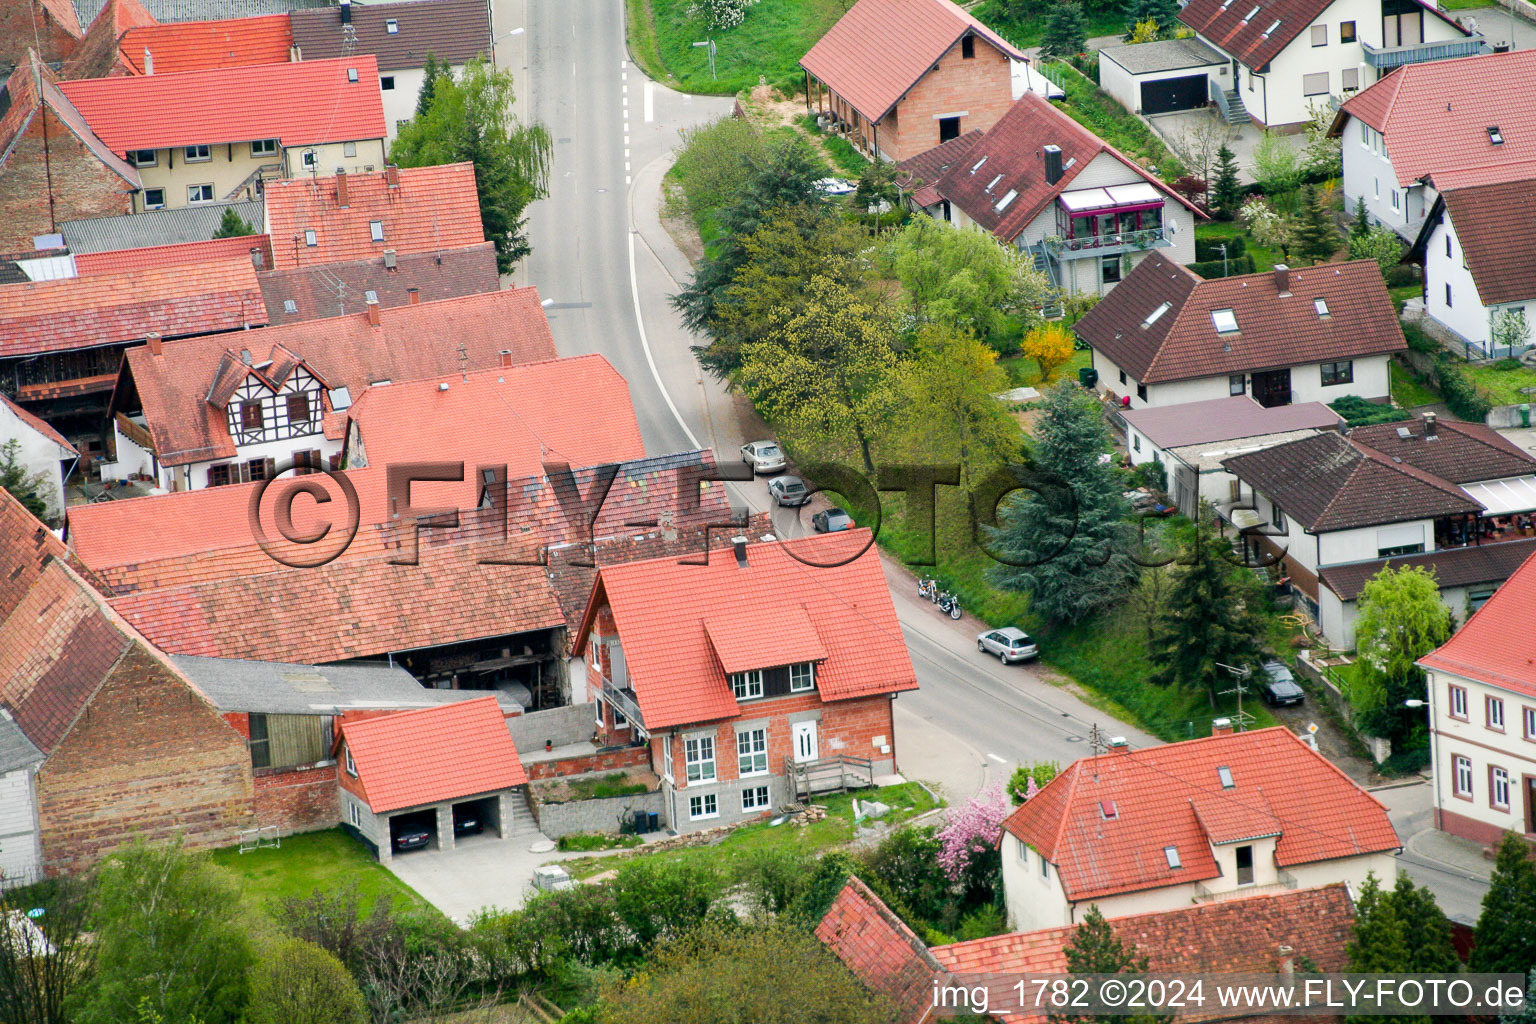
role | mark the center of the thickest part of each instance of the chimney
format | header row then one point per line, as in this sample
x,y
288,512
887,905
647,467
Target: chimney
x,y
1282,279
739,545
1287,965
149,62
389,259
392,176
373,312
1221,727
256,260
152,339
1429,426
1052,164
506,357
346,12
1118,745
413,296
341,187
295,54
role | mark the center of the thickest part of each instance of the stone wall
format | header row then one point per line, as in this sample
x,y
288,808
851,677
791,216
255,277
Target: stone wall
x,y
570,724
556,820
616,760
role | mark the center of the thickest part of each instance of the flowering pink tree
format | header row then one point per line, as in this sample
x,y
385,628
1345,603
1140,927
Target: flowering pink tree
x,y
971,829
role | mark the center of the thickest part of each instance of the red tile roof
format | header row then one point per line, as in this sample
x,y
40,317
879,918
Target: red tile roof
x,y
577,411
1274,330
1495,647
1436,115
38,425
664,609
1162,795
64,13
99,54
316,293
432,755
299,104
177,255
412,342
201,45
126,306
742,644
432,208
881,951
1011,150
881,48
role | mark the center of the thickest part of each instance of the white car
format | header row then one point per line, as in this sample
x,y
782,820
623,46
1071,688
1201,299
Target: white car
x,y
763,456
1009,644
788,491
835,187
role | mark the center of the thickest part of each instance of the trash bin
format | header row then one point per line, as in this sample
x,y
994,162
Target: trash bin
x,y
653,821
1525,414
1088,377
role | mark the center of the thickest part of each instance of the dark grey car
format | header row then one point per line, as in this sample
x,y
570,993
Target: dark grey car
x,y
1279,687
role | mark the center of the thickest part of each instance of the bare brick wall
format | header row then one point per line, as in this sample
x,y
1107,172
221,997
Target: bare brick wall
x,y
147,758
617,760
82,185
981,87
27,25
301,800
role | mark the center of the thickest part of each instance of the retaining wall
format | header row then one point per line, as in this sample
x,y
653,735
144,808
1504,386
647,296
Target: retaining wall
x,y
570,724
556,820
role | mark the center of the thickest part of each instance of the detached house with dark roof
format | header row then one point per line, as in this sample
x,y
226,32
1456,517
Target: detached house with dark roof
x,y
1203,821
1166,336
1335,509
898,77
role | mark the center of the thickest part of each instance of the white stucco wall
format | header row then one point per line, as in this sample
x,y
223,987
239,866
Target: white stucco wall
x,y
1465,314
1368,174
400,101
37,454
1483,746
1371,381
1339,547
1126,88
1033,900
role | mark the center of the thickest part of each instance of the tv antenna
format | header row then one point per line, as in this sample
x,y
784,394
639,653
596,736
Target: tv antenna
x,y
1241,720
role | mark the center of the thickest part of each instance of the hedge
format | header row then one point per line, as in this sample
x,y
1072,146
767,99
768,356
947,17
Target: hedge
x,y
1206,248
1465,398
1400,275
1360,412
1229,268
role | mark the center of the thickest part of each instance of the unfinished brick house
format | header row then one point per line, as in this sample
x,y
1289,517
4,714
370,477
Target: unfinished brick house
x,y
899,77
52,26
754,675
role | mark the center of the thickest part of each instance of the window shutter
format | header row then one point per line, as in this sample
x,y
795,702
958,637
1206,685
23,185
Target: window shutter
x,y
245,472
271,469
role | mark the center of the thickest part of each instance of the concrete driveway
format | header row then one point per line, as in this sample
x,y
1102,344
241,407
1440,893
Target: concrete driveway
x,y
480,873
1241,139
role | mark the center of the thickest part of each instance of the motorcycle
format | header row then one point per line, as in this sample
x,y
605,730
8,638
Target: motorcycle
x,y
928,587
950,604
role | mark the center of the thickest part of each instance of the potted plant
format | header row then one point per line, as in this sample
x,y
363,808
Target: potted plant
x,y
549,745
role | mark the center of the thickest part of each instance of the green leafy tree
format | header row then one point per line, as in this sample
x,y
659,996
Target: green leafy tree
x,y
711,163
1316,237
905,865
662,899
432,72
297,982
1065,538
1510,329
1323,153
470,119
168,934
1399,931
1040,773
964,279
1065,33
1379,243
232,225
1401,619
776,877
1163,13
877,188
1208,618
1276,165
27,488
1506,929
1226,190
1095,949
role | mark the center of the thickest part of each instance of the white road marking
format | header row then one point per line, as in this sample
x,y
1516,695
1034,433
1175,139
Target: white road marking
x,y
626,140
573,69
650,102
626,166
634,294
623,64
626,152
624,89
628,180
999,760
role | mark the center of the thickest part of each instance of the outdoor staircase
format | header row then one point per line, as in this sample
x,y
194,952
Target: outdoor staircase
x,y
1230,106
525,830
1052,310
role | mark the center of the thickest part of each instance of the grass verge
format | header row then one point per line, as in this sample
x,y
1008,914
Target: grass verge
x,y
1263,259
1024,371
1408,390
1504,381
1027,32
318,860
768,44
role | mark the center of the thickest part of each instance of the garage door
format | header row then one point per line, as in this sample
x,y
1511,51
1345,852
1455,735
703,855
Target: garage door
x,y
1173,94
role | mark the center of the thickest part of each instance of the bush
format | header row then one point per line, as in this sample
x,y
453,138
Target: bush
x,y
1041,772
300,983
660,899
1359,412
596,841
1399,275
1505,365
1466,399
1419,341
1206,248
1216,268
982,923
1405,762
1152,475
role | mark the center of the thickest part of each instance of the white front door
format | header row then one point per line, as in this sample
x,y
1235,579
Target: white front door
x,y
805,742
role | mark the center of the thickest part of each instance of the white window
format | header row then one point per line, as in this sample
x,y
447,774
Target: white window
x,y
1153,316
309,160
747,685
802,677
1237,384
372,296
1495,706
290,306
1225,321
351,765
1351,80
1458,702
154,199
1319,35
666,756
1498,788
1463,775
703,806
376,230
699,756
1023,851
754,798
196,154
1225,775
349,149
309,237
597,711
597,655
351,74
1172,853
391,26
1396,200
264,147
144,158
1045,867
1315,84
199,193
1135,442
752,751
1529,716
1321,305
620,720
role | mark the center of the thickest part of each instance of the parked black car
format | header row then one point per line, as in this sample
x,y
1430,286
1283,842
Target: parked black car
x,y
1279,686
414,833
467,822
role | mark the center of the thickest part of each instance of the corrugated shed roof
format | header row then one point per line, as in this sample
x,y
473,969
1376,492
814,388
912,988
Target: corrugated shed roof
x,y
289,688
201,45
453,31
156,227
336,289
1494,647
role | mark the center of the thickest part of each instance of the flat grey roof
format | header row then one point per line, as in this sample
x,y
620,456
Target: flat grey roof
x,y
1164,55
1207,457
283,688
156,227
1224,419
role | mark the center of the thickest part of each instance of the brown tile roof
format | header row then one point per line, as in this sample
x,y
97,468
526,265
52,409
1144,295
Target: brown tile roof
x,y
1163,795
1494,646
1258,39
1503,264
1453,567
201,45
881,48
454,31
1327,482
336,289
412,342
661,607
1460,452
430,209
34,85
176,255
1273,330
1436,115
128,305
881,951
929,166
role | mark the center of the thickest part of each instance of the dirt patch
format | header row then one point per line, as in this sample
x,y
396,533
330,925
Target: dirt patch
x,y
1332,741
578,787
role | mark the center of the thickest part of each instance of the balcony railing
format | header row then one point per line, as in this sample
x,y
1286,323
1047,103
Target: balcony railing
x,y
1207,894
1385,58
622,699
1106,245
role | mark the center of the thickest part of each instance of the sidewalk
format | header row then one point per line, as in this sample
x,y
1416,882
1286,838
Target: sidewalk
x,y
1450,867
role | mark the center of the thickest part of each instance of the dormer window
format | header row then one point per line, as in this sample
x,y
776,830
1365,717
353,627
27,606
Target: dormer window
x,y
392,26
1495,136
802,677
1321,305
747,685
1225,775
1153,316
1225,321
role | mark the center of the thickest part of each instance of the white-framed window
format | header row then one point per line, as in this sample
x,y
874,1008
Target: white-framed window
x,y
1463,776
703,806
620,719
747,685
1528,716
354,814
1237,384
754,798
1224,320
310,238
264,147
1459,702
349,149
1498,788
802,677
144,157
199,193
196,154
1045,868
666,756
699,757
154,199
1397,200
597,711
1171,854
752,752
1315,84
1023,849
376,230
1350,80
1319,35
391,26
1135,442
1341,372
351,765
1276,516
1494,706
351,74
309,160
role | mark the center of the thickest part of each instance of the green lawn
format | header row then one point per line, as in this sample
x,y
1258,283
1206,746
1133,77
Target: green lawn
x,y
317,860
1026,32
836,829
1263,259
1093,108
769,43
1025,372
1503,381
1409,391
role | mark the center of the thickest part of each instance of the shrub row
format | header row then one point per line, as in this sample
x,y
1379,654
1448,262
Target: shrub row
x,y
1400,275
1206,249
1231,267
1359,412
1465,398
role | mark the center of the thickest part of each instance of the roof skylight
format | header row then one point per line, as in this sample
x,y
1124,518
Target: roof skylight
x,y
1225,775
1153,316
1225,321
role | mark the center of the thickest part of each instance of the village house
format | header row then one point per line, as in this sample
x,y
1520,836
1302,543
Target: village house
x,y
898,77
1335,509
321,290
41,453
1166,336
1202,821
1040,181
1482,718
1190,441
1430,119
752,684
1288,60
1166,75
400,35
126,39
216,135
